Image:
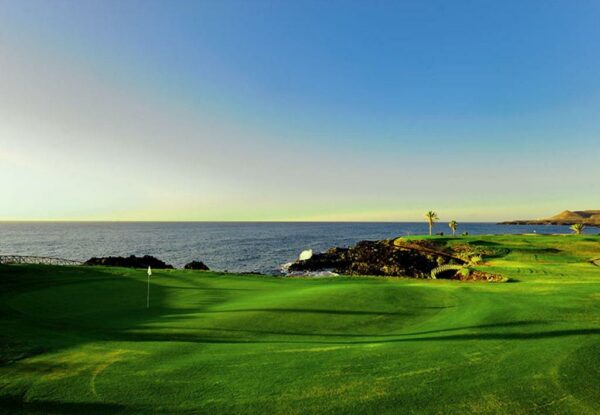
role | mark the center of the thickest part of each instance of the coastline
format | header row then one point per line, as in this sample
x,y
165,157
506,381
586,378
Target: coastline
x,y
548,222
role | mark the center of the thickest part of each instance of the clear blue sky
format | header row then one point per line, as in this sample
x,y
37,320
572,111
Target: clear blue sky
x,y
338,110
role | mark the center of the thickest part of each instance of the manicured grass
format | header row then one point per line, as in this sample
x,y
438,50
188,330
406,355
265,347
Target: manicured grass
x,y
80,340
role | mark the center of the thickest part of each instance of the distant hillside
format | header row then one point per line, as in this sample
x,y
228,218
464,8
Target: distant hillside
x,y
567,217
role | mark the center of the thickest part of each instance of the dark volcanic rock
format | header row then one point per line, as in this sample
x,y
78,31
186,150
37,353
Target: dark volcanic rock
x,y
377,258
334,258
129,262
197,265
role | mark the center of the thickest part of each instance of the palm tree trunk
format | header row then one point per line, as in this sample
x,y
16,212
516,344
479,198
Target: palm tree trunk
x,y
430,226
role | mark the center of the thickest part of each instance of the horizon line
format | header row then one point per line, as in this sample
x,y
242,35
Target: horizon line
x,y
227,221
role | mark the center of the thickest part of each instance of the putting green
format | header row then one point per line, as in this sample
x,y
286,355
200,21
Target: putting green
x,y
80,340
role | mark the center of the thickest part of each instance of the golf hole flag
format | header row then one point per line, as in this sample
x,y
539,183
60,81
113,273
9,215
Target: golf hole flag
x,y
148,291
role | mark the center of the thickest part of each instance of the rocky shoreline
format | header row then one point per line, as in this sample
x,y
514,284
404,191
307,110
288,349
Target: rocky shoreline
x,y
398,258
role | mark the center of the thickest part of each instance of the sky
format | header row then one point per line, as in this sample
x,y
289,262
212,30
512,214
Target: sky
x,y
305,110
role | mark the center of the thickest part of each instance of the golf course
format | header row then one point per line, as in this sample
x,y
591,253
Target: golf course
x,y
80,340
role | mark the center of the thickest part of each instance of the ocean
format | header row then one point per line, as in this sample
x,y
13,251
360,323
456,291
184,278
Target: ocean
x,y
224,246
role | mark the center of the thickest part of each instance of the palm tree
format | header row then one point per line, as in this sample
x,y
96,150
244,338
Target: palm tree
x,y
431,217
577,228
453,225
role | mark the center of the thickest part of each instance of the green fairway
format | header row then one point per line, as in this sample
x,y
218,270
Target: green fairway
x,y
79,340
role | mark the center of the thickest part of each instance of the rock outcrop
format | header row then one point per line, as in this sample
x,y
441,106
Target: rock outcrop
x,y
129,262
386,258
404,258
196,265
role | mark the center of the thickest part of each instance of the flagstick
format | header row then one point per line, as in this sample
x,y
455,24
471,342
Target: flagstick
x,y
148,292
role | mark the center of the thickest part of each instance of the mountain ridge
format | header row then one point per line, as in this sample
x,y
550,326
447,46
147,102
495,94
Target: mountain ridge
x,y
589,217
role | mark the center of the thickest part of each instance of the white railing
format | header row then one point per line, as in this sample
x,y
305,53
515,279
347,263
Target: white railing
x,y
23,259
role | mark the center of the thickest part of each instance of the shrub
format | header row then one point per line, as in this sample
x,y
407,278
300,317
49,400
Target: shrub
x,y
475,259
465,272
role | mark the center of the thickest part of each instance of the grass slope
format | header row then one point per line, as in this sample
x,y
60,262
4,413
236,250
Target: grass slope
x,y
80,340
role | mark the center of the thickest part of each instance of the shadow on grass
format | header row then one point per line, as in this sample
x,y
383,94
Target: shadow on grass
x,y
310,311
537,250
374,339
480,242
181,287
17,405
236,332
211,335
26,332
34,331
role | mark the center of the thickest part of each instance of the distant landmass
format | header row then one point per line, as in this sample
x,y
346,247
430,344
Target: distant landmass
x,y
568,217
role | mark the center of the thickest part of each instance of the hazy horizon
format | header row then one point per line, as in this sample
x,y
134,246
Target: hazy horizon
x,y
307,111
226,221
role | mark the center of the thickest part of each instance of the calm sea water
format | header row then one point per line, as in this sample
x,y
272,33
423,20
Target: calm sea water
x,y
244,247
